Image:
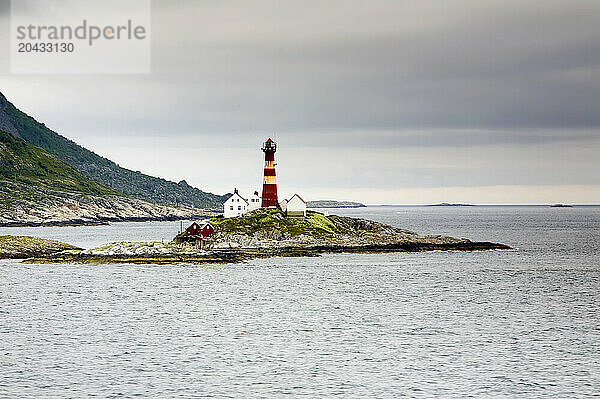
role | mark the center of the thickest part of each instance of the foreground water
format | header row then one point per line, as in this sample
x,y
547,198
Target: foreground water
x,y
496,323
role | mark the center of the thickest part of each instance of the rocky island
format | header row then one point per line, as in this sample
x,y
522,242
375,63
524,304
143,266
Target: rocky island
x,y
18,247
267,233
48,180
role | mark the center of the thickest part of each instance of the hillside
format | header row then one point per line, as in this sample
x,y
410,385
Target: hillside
x,y
37,188
23,163
102,170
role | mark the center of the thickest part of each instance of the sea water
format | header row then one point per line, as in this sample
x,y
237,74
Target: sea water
x,y
518,323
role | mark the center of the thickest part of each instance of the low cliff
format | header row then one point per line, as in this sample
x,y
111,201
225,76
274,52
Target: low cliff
x,y
23,205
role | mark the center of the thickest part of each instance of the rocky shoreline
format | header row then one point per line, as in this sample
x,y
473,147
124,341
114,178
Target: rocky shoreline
x,y
46,207
163,254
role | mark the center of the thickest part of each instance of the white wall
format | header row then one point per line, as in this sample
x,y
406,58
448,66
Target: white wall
x,y
234,206
296,206
253,202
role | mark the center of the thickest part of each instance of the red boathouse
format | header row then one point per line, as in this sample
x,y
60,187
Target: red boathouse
x,y
195,229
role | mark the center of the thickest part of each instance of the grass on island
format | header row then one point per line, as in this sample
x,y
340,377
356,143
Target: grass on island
x,y
314,224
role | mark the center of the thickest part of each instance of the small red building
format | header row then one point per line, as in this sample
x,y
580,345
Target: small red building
x,y
206,230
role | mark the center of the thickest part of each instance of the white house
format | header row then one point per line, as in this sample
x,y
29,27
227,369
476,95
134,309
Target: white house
x,y
296,206
236,205
254,202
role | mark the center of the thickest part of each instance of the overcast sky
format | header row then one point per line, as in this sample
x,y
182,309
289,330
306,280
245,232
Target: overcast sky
x,y
381,102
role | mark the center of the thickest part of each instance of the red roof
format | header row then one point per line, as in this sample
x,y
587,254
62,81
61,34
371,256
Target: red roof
x,y
296,195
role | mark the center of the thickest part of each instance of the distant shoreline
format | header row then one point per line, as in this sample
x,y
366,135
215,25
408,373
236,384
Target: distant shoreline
x,y
481,206
107,221
448,204
334,204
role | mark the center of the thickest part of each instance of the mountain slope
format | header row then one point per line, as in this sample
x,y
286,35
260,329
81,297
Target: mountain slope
x,y
100,169
37,188
23,163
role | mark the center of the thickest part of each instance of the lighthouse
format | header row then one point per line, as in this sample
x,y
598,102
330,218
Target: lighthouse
x,y
269,192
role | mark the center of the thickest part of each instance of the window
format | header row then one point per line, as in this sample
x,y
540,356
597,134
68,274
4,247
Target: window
x,y
231,208
239,208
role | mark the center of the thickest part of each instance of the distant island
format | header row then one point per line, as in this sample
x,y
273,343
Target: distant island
x,y
561,206
448,204
334,204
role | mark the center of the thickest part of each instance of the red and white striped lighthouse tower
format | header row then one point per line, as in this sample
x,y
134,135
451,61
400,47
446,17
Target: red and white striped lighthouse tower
x,y
269,192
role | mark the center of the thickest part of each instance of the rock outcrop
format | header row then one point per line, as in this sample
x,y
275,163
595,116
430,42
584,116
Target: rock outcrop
x,y
271,229
18,247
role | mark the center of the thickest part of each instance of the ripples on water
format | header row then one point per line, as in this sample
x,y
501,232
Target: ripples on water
x,y
497,323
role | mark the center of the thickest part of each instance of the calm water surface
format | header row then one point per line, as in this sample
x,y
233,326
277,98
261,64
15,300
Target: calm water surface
x,y
522,323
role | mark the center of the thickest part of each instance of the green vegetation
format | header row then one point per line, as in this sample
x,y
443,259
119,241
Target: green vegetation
x,y
265,220
24,163
104,171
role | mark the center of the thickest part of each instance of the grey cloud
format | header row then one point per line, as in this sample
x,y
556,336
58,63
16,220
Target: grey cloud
x,y
506,64
308,66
